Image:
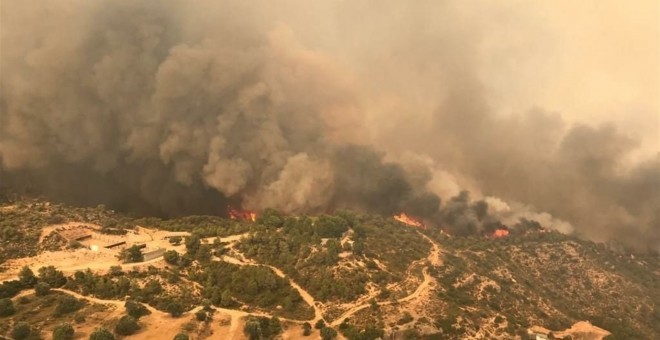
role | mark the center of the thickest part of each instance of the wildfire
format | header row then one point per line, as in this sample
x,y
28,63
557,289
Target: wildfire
x,y
405,219
236,214
500,233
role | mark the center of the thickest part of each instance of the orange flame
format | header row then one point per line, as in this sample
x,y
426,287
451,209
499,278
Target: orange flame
x,y
405,219
500,233
235,214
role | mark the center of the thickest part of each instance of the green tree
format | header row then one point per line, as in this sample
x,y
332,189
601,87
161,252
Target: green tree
x,y
6,307
274,326
63,332
226,298
67,304
52,276
175,240
181,336
41,289
307,329
171,257
319,324
26,277
131,254
136,309
21,330
192,244
175,309
252,329
328,333
200,315
127,325
203,254
101,334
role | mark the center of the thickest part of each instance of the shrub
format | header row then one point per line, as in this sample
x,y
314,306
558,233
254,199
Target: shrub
x,y
201,315
101,334
6,307
175,309
171,257
319,324
328,333
79,318
127,325
26,277
63,332
181,336
307,329
41,289
67,304
136,309
52,276
21,330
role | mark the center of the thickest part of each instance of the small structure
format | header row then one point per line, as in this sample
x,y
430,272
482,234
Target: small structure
x,y
150,254
75,234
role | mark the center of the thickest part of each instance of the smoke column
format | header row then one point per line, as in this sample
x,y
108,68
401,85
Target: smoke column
x,y
172,107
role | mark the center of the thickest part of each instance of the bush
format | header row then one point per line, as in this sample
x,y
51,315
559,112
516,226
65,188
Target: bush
x,y
22,330
131,255
200,316
136,309
176,240
6,307
63,332
307,329
67,304
127,325
52,276
101,334
319,324
41,289
328,333
26,277
171,257
175,309
181,336
79,318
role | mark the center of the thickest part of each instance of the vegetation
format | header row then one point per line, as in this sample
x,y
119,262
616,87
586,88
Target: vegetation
x,y
262,327
7,307
67,304
101,334
63,332
127,325
252,285
22,331
136,309
131,254
42,289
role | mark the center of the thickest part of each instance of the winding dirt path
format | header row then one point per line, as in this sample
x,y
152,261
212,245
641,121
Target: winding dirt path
x,y
243,261
433,258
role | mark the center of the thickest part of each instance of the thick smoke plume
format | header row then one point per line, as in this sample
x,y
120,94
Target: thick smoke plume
x,y
174,107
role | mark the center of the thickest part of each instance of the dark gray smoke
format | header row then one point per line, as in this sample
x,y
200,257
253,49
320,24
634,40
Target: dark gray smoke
x,y
172,107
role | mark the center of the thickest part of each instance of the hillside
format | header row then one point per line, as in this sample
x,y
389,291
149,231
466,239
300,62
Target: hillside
x,y
361,276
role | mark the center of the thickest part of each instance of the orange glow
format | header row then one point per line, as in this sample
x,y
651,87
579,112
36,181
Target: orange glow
x,y
236,214
501,233
405,219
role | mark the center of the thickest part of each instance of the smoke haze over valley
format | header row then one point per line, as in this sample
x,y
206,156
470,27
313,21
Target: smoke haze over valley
x,y
466,115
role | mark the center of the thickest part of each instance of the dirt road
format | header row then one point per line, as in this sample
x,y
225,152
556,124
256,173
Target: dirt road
x,y
433,258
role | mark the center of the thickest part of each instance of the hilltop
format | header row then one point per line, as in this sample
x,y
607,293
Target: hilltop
x,y
360,276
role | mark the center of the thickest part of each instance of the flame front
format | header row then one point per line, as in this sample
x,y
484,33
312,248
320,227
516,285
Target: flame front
x,y
500,233
405,219
236,214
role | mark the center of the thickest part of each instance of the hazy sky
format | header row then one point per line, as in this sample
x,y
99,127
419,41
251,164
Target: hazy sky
x,y
550,109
